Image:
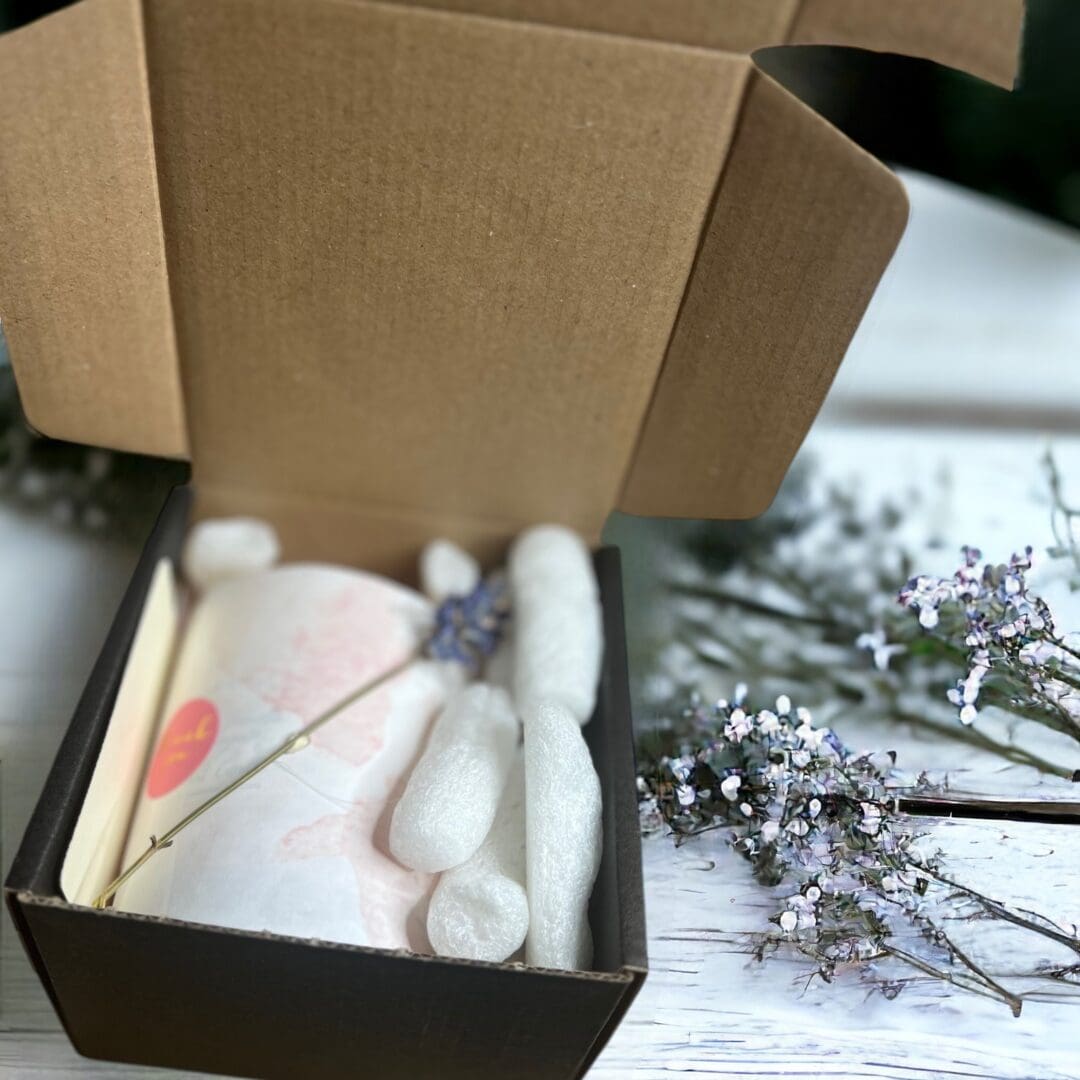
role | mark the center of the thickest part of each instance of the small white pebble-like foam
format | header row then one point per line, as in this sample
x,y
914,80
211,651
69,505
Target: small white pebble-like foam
x,y
447,570
450,800
552,559
563,834
479,910
221,548
558,624
558,648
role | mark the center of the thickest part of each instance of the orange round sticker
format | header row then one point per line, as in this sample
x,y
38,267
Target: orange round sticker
x,y
187,740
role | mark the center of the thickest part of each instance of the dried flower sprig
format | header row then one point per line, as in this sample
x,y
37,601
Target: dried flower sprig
x,y
810,607
808,813
467,629
1013,655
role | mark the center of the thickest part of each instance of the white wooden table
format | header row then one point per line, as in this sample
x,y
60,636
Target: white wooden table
x,y
972,346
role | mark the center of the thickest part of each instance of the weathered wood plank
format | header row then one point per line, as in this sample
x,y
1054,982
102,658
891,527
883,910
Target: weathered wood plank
x,y
709,1008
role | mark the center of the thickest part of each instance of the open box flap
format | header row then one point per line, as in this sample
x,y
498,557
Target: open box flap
x,y
978,36
424,265
84,295
803,226
981,37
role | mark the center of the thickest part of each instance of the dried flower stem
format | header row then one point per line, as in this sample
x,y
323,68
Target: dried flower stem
x,y
1000,911
1018,755
984,985
293,743
806,812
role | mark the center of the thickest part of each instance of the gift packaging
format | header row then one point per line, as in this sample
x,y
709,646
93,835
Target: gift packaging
x,y
390,272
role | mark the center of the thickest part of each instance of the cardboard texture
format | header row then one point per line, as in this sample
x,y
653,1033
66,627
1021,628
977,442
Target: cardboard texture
x,y
407,282
979,36
127,987
85,293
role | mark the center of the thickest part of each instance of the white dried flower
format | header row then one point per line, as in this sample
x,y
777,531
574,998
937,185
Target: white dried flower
x,y
770,830
729,787
768,723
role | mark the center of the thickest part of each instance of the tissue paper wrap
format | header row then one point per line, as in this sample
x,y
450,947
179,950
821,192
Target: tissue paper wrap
x,y
301,848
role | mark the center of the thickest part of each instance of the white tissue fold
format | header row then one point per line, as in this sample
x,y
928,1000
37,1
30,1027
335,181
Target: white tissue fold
x,y
558,627
447,570
450,801
221,548
479,910
563,834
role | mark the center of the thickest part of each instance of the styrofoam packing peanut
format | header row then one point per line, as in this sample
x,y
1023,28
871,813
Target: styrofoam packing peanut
x,y
563,836
447,570
221,548
558,624
551,559
558,649
450,800
479,910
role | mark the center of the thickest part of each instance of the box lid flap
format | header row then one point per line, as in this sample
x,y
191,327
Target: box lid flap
x,y
84,293
981,37
426,263
803,226
978,36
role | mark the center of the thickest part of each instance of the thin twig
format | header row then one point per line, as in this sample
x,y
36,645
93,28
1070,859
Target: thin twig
x,y
1000,911
990,989
294,742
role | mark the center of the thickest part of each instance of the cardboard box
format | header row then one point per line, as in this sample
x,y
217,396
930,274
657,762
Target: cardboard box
x,y
385,273
159,991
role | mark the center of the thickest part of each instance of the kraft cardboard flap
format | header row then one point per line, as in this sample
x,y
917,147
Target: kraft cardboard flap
x,y
981,37
754,352
84,296
424,264
978,36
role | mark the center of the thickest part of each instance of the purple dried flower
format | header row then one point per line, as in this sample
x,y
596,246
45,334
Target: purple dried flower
x,y
468,628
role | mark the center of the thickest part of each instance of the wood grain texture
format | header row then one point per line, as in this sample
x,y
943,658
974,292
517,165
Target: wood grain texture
x,y
710,1009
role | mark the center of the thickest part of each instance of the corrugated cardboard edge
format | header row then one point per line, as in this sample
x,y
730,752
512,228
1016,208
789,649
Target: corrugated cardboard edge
x,y
818,219
84,292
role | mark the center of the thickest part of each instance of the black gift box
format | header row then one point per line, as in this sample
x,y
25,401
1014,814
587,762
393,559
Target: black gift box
x,y
156,991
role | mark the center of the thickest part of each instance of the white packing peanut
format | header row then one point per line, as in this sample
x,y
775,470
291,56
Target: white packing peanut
x,y
450,800
479,910
552,558
221,548
558,625
563,834
447,570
